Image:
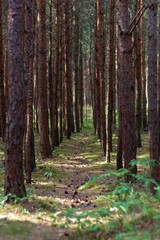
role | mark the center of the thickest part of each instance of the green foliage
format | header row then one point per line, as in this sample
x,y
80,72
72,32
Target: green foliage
x,y
48,174
14,198
127,211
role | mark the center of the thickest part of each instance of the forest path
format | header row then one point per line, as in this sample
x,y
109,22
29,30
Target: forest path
x,y
54,190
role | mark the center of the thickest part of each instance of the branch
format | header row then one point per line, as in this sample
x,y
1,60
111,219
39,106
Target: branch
x,y
135,21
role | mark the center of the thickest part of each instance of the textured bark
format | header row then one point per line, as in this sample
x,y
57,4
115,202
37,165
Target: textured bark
x,y
61,83
138,75
152,92
45,147
97,106
127,87
14,181
100,84
158,75
69,94
29,48
81,79
76,66
144,80
56,80
112,81
50,73
2,98
119,157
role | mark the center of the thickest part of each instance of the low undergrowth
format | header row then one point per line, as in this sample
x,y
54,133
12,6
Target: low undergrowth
x,y
77,195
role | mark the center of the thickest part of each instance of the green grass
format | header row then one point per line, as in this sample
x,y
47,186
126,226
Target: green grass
x,y
104,208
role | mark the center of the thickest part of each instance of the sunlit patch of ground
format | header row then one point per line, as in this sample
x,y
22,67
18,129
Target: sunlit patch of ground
x,y
55,202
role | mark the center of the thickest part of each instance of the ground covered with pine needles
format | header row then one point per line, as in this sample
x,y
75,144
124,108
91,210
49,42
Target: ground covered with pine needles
x,y
77,195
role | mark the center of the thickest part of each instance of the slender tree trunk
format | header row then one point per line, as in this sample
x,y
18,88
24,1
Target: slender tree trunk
x,y
111,78
45,147
81,79
138,76
2,98
61,73
56,80
97,106
68,106
119,157
14,181
50,73
152,93
29,48
144,80
76,66
127,87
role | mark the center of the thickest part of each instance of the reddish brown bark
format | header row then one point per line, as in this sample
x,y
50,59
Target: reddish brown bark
x,y
152,92
76,66
112,76
99,84
56,80
51,73
29,48
45,147
127,87
68,71
14,181
61,72
2,98
138,76
144,80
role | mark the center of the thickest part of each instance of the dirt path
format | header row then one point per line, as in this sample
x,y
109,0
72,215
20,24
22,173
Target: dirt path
x,y
54,189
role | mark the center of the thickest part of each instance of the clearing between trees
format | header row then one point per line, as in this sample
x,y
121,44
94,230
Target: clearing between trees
x,y
77,195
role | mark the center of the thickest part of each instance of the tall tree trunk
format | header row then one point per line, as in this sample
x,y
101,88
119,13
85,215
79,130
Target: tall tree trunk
x,y
14,181
56,80
81,80
127,87
29,48
97,106
76,66
61,72
138,76
111,78
2,98
45,147
152,92
69,100
144,78
119,157
50,73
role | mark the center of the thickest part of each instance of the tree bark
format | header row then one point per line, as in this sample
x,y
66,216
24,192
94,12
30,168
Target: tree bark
x,y
14,180
45,147
29,49
112,76
127,88
152,93
138,76
2,97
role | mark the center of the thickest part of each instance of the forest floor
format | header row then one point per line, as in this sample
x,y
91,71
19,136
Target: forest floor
x,y
57,207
